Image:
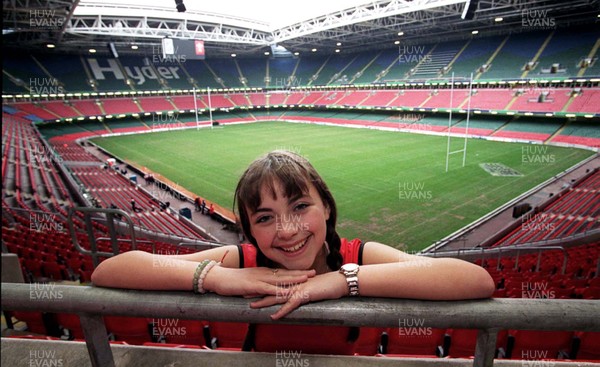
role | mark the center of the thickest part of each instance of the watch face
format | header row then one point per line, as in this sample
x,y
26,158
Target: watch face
x,y
349,267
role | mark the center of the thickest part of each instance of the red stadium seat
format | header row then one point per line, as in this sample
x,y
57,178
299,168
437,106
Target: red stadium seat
x,y
463,341
591,293
587,346
37,322
305,338
369,341
54,271
422,342
70,325
133,330
227,334
537,345
179,331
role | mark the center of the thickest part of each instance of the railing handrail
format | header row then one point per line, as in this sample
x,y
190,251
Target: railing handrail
x,y
487,315
504,313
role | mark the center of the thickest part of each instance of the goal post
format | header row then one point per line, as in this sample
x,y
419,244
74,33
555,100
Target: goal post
x,y
198,125
466,134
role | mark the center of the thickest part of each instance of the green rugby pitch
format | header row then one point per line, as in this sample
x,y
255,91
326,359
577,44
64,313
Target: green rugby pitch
x,y
389,187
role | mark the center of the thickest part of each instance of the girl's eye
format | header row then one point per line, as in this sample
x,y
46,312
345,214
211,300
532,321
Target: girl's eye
x,y
301,206
263,218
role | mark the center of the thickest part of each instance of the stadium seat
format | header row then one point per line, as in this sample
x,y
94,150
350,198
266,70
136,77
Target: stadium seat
x,y
70,326
37,322
304,338
227,335
586,346
423,342
179,331
369,341
54,271
132,330
591,293
537,345
463,341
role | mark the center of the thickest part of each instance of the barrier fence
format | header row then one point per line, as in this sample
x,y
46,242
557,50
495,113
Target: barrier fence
x,y
488,315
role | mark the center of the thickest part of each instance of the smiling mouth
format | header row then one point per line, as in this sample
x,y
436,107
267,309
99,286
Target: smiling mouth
x,y
296,247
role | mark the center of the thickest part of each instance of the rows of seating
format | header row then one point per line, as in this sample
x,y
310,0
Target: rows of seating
x,y
584,133
540,54
36,201
111,188
523,277
586,100
572,212
50,254
410,341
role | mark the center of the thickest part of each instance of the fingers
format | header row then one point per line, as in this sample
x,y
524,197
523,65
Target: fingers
x,y
289,306
285,278
291,297
266,302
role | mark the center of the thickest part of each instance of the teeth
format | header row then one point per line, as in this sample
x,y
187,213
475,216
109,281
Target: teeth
x,y
295,248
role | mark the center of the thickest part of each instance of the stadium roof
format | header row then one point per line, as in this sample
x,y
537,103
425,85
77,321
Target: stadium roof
x,y
251,27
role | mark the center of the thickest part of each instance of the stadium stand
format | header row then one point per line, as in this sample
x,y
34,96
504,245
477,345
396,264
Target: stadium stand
x,y
403,88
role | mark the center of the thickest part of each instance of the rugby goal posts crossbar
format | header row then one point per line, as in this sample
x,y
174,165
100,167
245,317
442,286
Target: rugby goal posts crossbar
x,y
198,125
466,134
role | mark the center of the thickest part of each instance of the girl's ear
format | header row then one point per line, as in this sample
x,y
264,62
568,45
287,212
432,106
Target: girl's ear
x,y
327,212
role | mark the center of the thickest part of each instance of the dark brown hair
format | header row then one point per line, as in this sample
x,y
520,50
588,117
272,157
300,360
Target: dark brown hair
x,y
295,174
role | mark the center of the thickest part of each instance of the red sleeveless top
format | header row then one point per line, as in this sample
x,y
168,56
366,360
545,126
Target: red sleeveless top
x,y
307,339
351,252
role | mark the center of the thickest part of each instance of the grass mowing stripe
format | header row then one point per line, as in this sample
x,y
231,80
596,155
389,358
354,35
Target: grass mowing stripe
x,y
390,187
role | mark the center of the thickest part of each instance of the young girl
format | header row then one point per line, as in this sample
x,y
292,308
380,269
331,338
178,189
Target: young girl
x,y
295,255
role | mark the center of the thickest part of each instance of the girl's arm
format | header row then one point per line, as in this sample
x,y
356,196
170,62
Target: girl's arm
x,y
388,272
391,273
145,271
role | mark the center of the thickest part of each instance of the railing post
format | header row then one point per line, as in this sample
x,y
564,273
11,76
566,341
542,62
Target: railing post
x,y
485,349
96,340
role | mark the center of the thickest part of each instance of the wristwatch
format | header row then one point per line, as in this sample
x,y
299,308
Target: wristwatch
x,y
350,271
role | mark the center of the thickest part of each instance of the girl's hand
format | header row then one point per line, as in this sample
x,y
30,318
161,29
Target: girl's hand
x,y
324,286
252,282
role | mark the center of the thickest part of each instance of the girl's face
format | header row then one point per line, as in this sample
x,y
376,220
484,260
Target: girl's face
x,y
290,231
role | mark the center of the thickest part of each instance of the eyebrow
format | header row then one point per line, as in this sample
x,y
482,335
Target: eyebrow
x,y
290,200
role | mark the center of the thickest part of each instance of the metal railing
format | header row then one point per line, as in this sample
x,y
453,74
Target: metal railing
x,y
488,315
